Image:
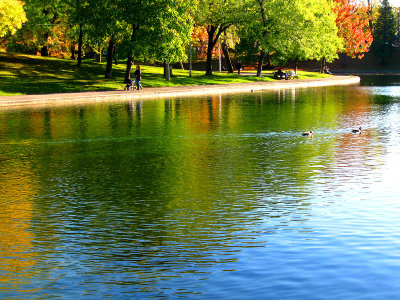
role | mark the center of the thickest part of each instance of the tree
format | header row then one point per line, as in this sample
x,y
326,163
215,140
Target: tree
x,y
105,23
217,16
353,22
293,29
39,31
134,42
76,13
174,31
12,16
266,24
384,32
161,31
228,40
312,32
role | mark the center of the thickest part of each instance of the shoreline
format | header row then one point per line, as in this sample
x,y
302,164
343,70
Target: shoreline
x,y
26,101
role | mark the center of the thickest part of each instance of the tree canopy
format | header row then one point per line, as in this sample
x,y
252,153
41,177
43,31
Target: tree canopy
x,y
161,30
12,16
384,32
353,22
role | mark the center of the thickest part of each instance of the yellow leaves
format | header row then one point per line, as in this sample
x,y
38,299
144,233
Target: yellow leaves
x,y
12,16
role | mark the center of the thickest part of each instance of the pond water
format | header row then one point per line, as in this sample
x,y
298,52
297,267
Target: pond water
x,y
205,198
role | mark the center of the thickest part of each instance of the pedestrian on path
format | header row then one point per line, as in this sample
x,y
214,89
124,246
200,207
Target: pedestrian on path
x,y
239,67
138,77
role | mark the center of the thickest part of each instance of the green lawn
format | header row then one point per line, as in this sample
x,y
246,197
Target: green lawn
x,y
28,74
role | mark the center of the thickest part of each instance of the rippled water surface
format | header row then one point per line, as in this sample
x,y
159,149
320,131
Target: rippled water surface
x,y
204,198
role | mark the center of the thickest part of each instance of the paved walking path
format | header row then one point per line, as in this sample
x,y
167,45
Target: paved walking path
x,y
167,92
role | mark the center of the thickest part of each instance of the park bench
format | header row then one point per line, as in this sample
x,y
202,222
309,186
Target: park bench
x,y
279,76
291,75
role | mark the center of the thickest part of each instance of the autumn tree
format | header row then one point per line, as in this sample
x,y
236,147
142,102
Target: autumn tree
x,y
384,32
48,29
353,22
200,41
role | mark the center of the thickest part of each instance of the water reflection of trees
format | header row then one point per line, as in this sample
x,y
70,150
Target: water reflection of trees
x,y
17,189
159,184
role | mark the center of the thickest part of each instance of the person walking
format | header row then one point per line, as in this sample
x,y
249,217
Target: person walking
x,y
138,77
239,67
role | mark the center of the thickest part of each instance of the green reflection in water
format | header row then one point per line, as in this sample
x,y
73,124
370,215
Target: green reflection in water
x,y
144,191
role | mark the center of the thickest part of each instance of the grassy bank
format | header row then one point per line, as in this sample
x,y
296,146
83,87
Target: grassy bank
x,y
28,74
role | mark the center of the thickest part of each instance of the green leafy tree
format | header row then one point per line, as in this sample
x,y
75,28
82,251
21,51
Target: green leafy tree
x,y
384,32
259,29
228,40
76,14
105,23
293,29
12,16
155,30
137,14
217,16
42,17
173,34
312,32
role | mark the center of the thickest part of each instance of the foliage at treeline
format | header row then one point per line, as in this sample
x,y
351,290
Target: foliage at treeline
x,y
165,30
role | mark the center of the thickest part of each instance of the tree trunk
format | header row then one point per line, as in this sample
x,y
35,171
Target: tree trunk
x,y
182,67
213,36
370,14
190,60
110,51
209,59
45,50
260,63
210,47
342,56
80,41
322,70
129,61
296,63
228,62
129,64
73,52
269,61
165,69
168,72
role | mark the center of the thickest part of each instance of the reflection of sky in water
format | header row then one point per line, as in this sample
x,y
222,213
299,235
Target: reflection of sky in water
x,y
392,91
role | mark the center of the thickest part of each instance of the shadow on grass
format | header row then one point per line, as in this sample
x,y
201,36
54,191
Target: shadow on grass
x,y
24,74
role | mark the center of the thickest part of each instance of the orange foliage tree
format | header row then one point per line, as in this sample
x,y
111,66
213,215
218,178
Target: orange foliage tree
x,y
353,22
200,41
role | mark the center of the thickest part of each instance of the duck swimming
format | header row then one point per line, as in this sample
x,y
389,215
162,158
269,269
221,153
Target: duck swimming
x,y
356,130
308,133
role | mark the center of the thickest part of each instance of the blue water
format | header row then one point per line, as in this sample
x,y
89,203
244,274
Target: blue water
x,y
204,198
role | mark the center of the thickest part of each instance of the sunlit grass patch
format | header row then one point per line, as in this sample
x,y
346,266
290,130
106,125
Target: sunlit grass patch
x,y
29,74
